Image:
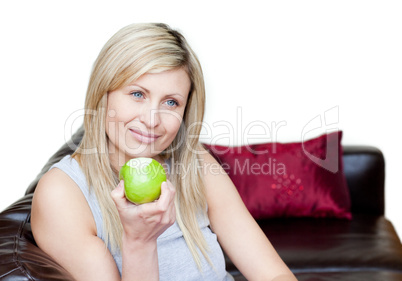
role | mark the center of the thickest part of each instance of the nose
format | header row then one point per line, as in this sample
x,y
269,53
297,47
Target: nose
x,y
150,116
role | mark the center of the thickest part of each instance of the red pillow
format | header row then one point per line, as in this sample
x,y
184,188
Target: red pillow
x,y
303,179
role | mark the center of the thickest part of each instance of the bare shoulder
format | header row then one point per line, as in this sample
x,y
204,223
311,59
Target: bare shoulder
x,y
63,226
211,168
60,215
58,196
218,185
54,182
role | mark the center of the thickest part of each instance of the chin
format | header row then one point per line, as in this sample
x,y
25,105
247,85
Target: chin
x,y
142,152
137,149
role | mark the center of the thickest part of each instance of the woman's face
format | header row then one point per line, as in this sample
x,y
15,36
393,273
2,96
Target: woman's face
x,y
144,117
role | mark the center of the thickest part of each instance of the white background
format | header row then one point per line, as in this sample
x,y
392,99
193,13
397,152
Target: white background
x,y
279,63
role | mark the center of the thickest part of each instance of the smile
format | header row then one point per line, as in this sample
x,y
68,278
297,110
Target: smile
x,y
144,137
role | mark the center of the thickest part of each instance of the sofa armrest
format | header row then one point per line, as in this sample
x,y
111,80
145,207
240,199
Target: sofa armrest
x,y
20,258
364,168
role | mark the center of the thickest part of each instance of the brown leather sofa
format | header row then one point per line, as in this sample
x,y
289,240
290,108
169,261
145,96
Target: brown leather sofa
x,y
364,248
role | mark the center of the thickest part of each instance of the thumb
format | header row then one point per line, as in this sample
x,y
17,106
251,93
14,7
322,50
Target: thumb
x,y
167,193
118,194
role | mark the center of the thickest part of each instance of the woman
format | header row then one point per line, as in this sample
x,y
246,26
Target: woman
x,y
146,98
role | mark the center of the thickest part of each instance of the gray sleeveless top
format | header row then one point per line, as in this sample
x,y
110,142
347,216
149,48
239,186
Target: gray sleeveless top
x,y
175,260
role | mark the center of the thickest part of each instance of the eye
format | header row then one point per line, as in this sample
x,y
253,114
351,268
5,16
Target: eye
x,y
172,103
137,94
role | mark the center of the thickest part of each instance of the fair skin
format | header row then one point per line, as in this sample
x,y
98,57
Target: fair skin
x,y
143,119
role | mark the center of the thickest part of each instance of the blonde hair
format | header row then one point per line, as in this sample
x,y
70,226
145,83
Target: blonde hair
x,y
133,51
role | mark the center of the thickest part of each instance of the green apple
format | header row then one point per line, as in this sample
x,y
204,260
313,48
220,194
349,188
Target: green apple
x,y
143,178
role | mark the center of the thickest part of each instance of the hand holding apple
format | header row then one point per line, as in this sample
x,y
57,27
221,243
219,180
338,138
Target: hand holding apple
x,y
142,178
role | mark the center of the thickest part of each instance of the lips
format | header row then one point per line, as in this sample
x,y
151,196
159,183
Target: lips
x,y
144,137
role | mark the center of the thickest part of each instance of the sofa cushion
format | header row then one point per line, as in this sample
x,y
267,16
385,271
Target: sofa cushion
x,y
311,246
383,275
301,179
367,243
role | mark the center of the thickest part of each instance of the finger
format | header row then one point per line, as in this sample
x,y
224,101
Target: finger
x,y
167,196
118,195
172,210
170,185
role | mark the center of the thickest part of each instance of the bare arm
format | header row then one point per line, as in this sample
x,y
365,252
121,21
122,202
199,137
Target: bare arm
x,y
63,226
249,249
142,225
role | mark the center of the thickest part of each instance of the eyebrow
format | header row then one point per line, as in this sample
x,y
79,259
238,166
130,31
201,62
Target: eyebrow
x,y
136,85
147,91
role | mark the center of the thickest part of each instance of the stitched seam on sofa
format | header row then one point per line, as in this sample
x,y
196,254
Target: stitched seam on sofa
x,y
9,273
17,238
344,269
